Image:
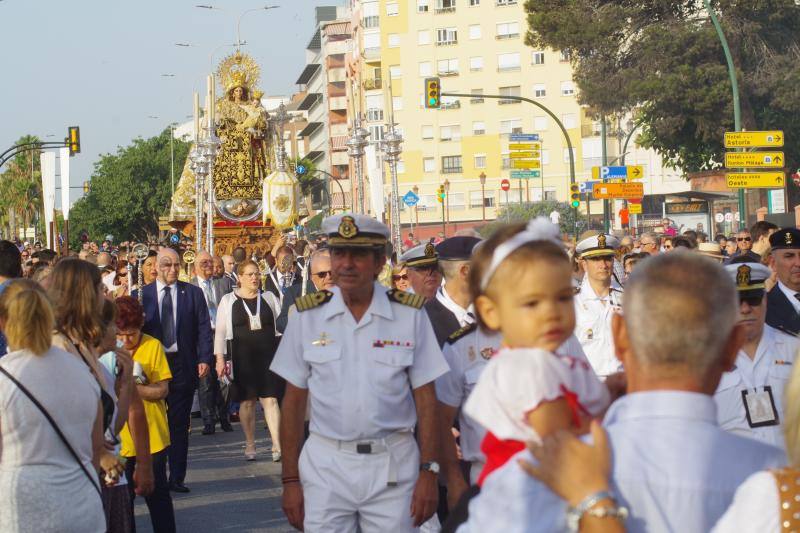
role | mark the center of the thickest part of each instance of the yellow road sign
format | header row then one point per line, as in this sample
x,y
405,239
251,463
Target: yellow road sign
x,y
534,154
526,163
635,209
631,172
754,160
635,172
765,180
753,139
618,190
525,146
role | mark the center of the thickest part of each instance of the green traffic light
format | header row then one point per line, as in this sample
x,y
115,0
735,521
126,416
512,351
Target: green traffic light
x,y
576,203
432,101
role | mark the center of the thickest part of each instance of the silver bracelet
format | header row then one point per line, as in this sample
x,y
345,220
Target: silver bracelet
x,y
616,511
574,514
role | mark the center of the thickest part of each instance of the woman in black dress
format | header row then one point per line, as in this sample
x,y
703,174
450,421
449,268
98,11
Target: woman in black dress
x,y
245,331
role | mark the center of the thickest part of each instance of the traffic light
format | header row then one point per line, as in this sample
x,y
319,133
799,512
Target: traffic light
x,y
74,140
433,93
440,194
86,187
574,195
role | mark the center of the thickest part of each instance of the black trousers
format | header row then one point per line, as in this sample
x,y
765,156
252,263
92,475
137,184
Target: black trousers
x,y
159,503
213,404
179,410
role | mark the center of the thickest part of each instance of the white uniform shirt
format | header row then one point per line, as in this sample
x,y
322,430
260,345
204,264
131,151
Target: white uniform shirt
x,y
772,366
468,357
464,316
593,326
672,467
360,376
755,507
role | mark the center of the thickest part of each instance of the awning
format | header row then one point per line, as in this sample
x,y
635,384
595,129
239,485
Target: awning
x,y
309,101
308,73
337,28
314,155
340,201
309,129
339,142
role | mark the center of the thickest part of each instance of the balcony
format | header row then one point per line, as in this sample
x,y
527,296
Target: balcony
x,y
336,88
449,42
476,100
334,61
442,10
452,170
515,68
337,103
504,36
451,105
373,83
446,73
507,101
372,54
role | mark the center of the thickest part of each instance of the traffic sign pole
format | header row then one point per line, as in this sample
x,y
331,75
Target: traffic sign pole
x,y
604,146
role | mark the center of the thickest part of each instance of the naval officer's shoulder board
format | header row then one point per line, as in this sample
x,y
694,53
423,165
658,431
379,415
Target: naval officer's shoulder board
x,y
406,298
315,299
461,333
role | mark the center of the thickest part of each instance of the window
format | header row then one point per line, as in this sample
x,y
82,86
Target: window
x,y
550,195
567,88
509,91
475,199
455,200
475,31
374,114
373,21
540,123
473,3
450,102
447,67
392,9
372,41
478,128
564,56
426,68
450,133
395,71
427,132
376,133
507,30
477,96
480,160
445,36
513,125
451,164
397,103
570,120
428,164
537,58
422,6
394,40
445,6
506,160
423,37
475,63
505,2
508,62
539,90
566,154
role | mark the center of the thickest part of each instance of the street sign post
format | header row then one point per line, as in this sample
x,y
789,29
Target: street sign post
x,y
523,137
525,146
754,160
526,163
631,172
410,199
761,180
505,184
754,139
525,174
586,186
618,190
525,154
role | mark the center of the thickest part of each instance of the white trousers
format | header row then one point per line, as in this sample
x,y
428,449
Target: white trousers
x,y
344,491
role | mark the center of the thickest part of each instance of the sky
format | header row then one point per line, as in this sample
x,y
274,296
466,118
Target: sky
x,y
98,64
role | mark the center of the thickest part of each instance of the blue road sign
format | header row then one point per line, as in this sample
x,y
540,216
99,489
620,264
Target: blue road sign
x,y
586,186
524,137
298,228
410,199
300,169
613,172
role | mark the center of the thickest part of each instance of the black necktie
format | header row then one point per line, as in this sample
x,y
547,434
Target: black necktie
x,y
167,320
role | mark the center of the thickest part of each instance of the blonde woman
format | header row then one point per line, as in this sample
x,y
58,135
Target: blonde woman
x,y
45,487
400,277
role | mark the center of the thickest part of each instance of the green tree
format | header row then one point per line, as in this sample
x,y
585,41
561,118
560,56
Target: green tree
x,y
21,191
129,191
530,210
663,60
309,180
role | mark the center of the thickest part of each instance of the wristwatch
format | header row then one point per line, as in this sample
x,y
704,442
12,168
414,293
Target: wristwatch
x,y
431,466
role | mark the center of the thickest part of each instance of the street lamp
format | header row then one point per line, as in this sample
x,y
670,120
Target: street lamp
x,y
483,195
199,166
391,150
209,147
355,149
239,23
416,207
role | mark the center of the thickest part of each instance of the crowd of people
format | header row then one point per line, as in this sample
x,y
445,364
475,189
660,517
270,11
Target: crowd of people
x,y
528,381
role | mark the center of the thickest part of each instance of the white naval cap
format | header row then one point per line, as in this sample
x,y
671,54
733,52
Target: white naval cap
x,y
601,245
419,256
352,230
748,276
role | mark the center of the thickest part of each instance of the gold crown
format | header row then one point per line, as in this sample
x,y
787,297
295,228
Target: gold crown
x,y
237,79
257,94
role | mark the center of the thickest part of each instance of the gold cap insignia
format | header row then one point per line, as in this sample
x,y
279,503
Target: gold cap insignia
x,y
430,251
348,228
787,237
601,241
743,276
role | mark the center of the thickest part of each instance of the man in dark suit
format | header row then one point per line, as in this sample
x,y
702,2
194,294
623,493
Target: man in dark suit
x,y
176,314
451,309
213,406
284,275
319,278
783,301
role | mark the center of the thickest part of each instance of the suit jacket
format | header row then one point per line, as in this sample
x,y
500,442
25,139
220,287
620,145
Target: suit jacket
x,y
269,285
289,297
221,286
192,330
443,320
780,312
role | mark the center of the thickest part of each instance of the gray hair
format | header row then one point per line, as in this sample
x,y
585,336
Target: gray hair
x,y
450,268
651,234
316,254
680,309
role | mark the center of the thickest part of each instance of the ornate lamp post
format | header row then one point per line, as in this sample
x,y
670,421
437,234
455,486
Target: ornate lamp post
x,y
355,149
209,146
483,195
199,165
391,150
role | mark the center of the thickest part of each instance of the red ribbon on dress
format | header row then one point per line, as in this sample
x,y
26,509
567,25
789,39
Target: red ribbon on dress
x,y
497,453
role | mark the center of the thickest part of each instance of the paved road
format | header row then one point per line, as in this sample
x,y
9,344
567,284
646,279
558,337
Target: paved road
x,y
227,492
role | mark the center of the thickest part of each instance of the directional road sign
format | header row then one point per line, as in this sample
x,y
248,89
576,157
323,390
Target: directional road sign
x,y
586,186
526,163
525,174
410,199
525,146
753,139
618,190
525,154
754,160
633,172
635,209
505,184
765,180
524,137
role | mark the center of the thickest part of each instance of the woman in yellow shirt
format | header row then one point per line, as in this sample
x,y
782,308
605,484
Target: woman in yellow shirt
x,y
152,384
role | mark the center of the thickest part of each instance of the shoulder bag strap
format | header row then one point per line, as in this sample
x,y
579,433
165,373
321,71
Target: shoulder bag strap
x,y
92,479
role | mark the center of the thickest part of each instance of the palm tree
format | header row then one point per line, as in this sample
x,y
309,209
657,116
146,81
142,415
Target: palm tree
x,y
309,180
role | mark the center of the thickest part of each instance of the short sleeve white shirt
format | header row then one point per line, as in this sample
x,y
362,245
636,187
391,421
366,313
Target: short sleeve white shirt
x,y
755,507
593,326
360,376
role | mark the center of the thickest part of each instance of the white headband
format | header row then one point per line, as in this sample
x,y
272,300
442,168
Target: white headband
x,y
538,229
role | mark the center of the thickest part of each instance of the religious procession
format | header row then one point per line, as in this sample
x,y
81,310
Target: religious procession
x,y
366,305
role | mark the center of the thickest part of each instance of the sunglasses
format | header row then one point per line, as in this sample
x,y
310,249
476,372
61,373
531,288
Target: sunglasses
x,y
743,239
324,274
752,301
122,274
403,277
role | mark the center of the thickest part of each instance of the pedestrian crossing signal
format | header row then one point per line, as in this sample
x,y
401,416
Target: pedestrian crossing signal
x,y
433,91
574,195
74,140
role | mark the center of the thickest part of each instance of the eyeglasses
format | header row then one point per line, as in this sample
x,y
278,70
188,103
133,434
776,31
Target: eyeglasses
x,y
324,274
122,274
403,277
744,239
169,265
752,301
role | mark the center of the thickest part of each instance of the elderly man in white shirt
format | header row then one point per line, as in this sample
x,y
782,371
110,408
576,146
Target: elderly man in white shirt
x,y
672,467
